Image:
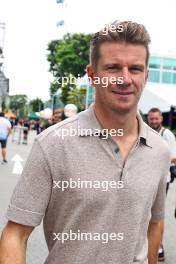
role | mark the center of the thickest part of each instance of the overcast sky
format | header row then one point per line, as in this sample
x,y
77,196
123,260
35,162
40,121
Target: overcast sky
x,y
31,24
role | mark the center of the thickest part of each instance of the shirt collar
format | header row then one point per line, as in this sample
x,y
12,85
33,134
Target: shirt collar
x,y
89,125
143,132
88,122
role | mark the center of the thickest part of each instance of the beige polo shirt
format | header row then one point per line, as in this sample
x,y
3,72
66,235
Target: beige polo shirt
x,y
95,208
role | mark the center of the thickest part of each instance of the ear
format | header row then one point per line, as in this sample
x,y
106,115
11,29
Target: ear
x,y
89,70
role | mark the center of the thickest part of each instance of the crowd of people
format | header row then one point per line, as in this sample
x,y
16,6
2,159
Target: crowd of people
x,y
9,126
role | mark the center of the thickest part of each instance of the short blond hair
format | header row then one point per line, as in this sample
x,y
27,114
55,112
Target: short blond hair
x,y
132,33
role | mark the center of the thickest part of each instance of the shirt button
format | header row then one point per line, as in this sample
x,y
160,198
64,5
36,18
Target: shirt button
x,y
116,150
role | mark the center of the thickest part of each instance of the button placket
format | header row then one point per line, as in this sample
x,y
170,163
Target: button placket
x,y
128,161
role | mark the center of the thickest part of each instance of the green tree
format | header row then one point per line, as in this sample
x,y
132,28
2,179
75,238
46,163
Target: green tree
x,y
69,55
66,57
36,105
5,105
18,104
77,96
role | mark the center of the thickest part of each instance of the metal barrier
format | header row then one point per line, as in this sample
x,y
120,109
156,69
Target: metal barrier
x,y
17,133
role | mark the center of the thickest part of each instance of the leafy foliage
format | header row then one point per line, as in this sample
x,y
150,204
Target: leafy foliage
x,y
66,57
18,104
77,96
69,55
36,105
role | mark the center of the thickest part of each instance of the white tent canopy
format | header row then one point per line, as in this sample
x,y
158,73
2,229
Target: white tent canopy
x,y
158,95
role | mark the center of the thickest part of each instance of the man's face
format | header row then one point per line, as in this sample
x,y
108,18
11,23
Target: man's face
x,y
124,62
155,120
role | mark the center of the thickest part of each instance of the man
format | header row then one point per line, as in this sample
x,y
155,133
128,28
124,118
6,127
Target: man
x,y
155,119
26,125
125,216
5,129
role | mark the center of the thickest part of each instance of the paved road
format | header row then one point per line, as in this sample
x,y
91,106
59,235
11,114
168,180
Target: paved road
x,y
37,250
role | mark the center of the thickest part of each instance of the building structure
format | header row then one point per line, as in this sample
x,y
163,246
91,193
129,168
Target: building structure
x,y
4,82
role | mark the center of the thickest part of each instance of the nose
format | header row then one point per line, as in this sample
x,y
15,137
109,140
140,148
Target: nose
x,y
126,76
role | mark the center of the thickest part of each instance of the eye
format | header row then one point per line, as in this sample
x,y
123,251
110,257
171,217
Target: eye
x,y
111,67
136,69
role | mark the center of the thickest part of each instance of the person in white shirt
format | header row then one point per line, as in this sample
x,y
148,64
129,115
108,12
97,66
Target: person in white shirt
x,y
5,130
155,119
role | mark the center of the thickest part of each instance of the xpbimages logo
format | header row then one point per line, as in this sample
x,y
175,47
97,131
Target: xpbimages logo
x,y
103,133
103,237
103,81
85,184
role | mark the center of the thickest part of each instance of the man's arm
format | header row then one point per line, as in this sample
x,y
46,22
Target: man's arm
x,y
154,239
13,243
9,131
171,141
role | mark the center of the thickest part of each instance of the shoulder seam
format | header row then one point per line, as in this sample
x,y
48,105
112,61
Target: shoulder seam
x,y
46,160
58,126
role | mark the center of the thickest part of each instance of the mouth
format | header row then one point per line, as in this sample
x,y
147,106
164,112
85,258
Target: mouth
x,y
123,93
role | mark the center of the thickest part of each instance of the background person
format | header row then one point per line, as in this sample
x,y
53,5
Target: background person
x,y
26,125
155,119
5,130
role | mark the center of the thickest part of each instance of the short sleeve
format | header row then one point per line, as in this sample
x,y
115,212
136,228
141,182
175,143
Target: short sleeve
x,y
9,124
170,139
32,193
158,208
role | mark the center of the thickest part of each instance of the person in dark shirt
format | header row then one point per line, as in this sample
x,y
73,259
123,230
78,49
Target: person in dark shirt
x,y
26,126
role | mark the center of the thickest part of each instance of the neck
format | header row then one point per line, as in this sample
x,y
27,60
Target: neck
x,y
117,120
158,128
